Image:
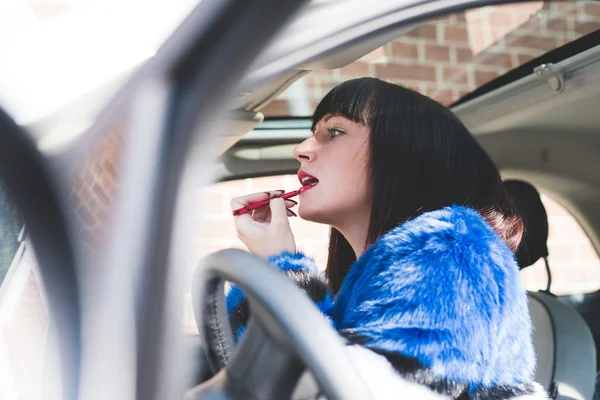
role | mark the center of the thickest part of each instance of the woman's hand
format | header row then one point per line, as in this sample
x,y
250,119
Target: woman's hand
x,y
265,231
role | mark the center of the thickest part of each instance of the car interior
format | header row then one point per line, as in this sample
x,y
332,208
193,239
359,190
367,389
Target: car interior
x,y
535,114
540,135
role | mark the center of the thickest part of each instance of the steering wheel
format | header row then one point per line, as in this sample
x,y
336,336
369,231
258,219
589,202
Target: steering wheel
x,y
285,335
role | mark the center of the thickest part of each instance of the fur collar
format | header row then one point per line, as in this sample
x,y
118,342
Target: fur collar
x,y
442,289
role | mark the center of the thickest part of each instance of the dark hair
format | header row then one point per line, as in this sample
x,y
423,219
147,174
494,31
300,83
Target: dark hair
x,y
422,158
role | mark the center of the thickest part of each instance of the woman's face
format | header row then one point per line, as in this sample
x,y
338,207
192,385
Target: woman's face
x,y
337,155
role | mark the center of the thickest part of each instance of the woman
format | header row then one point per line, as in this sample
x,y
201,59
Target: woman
x,y
421,268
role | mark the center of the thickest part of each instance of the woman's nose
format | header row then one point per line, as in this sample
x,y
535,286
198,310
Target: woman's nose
x,y
305,151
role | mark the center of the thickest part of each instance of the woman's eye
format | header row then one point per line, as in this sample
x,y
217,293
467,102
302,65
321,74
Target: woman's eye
x,y
334,132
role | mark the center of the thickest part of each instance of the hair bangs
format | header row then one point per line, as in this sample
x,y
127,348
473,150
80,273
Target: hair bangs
x,y
351,99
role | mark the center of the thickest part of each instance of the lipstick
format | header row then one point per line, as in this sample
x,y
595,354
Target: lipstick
x,y
264,203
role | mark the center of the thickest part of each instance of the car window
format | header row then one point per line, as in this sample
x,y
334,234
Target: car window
x,y
10,226
574,263
23,316
451,56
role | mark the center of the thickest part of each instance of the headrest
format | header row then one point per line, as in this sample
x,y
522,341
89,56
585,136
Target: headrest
x,y
529,206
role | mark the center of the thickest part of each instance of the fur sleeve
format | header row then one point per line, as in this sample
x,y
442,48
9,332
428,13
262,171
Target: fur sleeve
x,y
299,268
445,290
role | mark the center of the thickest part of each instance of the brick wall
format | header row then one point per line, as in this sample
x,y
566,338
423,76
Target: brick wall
x,y
448,57
94,183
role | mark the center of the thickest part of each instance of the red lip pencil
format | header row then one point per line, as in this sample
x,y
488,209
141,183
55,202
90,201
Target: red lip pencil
x,y
264,203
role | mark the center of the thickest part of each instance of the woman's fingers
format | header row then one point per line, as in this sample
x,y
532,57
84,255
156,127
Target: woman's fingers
x,y
278,211
265,231
244,201
263,214
290,203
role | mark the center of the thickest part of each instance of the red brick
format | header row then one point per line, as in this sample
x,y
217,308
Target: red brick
x,y
376,55
482,77
427,31
411,72
583,28
524,58
277,108
464,55
592,9
557,25
106,182
405,50
569,8
460,17
561,41
533,42
327,86
355,70
437,53
503,60
445,19
454,34
317,76
108,166
443,96
463,93
455,75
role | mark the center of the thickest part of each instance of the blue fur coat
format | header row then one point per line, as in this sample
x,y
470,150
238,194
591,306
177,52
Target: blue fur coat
x,y
438,299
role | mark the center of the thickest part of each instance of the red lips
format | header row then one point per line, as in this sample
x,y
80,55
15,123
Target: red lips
x,y
306,179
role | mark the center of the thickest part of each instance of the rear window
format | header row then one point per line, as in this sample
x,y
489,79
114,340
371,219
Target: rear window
x,y
449,57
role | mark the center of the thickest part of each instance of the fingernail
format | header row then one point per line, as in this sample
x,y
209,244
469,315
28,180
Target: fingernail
x,y
293,201
293,213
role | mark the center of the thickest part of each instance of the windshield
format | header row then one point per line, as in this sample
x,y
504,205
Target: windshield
x,y
448,57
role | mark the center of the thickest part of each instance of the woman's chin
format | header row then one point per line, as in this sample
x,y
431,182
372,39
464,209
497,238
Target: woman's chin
x,y
309,214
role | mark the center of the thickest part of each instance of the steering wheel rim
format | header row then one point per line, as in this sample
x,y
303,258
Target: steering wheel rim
x,y
293,321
